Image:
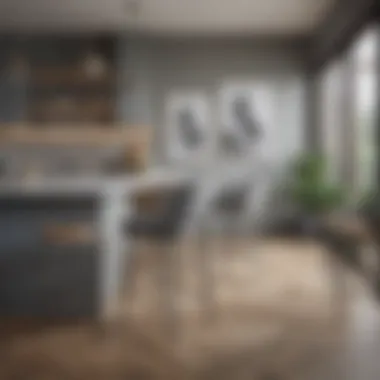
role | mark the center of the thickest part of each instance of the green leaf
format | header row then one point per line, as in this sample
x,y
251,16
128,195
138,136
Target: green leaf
x,y
310,190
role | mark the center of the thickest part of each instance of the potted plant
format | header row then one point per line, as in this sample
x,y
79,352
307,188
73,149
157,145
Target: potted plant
x,y
369,209
311,193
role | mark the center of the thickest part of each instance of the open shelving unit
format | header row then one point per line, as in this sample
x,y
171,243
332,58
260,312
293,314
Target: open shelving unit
x,y
71,80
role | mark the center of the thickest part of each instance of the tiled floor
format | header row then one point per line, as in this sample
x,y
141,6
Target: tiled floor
x,y
281,312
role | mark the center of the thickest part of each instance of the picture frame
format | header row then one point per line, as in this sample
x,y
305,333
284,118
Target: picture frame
x,y
189,132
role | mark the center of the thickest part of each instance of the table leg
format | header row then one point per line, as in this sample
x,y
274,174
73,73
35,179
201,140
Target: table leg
x,y
113,212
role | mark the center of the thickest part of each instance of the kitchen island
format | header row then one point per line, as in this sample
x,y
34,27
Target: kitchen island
x,y
44,278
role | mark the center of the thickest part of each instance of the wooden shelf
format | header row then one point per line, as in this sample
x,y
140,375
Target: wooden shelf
x,y
69,77
68,95
60,90
77,134
84,110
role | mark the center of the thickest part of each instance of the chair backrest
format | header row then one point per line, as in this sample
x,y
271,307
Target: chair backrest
x,y
176,206
232,200
169,217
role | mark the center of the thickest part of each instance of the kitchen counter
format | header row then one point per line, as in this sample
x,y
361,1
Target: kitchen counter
x,y
91,185
113,197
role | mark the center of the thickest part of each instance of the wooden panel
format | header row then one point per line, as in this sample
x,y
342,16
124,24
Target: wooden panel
x,y
88,109
69,233
71,76
75,135
135,140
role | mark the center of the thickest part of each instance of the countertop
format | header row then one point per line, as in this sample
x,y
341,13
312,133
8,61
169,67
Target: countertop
x,y
93,185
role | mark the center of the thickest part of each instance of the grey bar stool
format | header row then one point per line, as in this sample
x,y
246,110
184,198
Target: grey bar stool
x,y
164,227
229,207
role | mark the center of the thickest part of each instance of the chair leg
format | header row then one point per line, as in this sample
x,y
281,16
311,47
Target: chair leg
x,y
165,285
175,288
169,286
207,278
131,274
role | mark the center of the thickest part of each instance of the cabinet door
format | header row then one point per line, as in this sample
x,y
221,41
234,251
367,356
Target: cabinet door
x,y
52,282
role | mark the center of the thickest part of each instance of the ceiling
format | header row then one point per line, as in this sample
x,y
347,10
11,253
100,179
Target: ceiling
x,y
201,17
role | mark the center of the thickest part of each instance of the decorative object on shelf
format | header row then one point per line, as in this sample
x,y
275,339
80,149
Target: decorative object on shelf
x,y
189,134
94,65
127,160
79,87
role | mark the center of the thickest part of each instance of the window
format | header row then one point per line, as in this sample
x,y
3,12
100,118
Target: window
x,y
331,99
364,56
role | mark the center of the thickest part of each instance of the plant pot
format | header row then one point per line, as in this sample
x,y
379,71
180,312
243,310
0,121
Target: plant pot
x,y
370,213
310,225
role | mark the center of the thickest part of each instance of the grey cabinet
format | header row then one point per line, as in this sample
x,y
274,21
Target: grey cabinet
x,y
41,279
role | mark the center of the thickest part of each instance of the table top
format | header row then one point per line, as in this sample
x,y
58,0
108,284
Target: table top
x,y
95,185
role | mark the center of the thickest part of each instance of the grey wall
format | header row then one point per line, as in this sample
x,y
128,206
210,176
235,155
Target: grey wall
x,y
150,69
